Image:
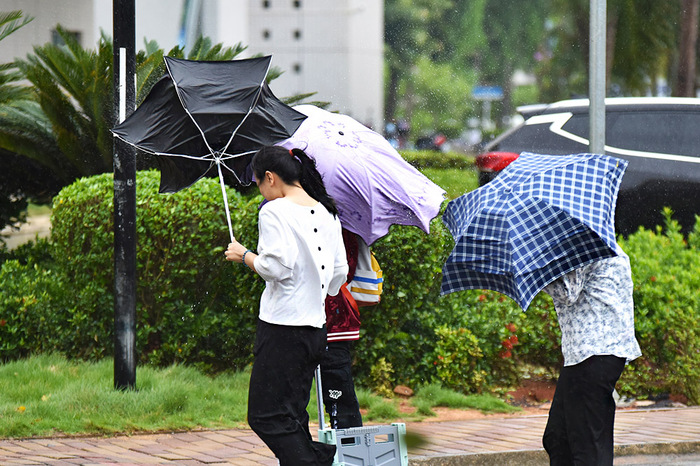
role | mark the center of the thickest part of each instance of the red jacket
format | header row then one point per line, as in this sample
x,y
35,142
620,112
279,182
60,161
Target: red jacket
x,y
342,313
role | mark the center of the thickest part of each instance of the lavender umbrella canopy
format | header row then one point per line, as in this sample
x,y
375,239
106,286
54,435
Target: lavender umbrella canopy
x,y
372,185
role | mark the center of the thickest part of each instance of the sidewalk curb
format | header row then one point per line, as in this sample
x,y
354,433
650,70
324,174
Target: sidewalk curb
x,y
540,458
508,458
662,448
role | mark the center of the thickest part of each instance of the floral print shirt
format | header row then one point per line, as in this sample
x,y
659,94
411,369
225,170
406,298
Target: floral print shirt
x,y
595,310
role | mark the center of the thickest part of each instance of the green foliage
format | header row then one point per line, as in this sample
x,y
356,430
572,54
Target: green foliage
x,y
382,410
25,318
438,98
380,377
192,305
422,159
438,50
402,327
645,34
455,181
434,395
10,21
667,304
525,95
457,356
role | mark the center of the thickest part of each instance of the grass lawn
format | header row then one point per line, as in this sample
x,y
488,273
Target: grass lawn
x,y
48,395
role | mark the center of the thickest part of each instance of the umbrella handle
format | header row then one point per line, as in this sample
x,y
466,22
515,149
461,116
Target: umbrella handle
x,y
223,193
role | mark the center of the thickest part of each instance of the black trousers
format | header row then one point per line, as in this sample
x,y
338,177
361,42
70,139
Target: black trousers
x,y
280,384
580,426
339,396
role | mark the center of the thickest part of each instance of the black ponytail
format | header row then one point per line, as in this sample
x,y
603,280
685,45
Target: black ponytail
x,y
292,166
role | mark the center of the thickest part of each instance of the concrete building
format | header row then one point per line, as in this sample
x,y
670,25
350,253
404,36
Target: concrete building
x,y
333,48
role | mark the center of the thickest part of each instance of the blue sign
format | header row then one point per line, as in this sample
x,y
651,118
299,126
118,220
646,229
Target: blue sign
x,y
487,93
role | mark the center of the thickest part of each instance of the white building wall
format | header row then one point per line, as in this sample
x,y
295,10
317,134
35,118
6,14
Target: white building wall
x,y
73,15
226,21
333,48
366,61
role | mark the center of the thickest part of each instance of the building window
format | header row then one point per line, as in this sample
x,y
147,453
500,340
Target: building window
x,y
297,34
296,3
266,4
56,38
297,68
266,34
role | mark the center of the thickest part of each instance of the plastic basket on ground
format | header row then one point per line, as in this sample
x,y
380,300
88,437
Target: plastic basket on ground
x,y
383,445
368,445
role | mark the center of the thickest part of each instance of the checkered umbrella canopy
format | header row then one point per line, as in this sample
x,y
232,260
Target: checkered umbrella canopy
x,y
543,216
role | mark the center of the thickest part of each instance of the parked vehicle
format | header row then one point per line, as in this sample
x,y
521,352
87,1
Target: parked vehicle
x,y
433,142
659,136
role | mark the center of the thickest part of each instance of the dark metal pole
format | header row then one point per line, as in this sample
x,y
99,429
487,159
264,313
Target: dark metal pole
x,y
124,199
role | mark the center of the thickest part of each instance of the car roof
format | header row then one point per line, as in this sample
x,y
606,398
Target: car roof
x,y
611,103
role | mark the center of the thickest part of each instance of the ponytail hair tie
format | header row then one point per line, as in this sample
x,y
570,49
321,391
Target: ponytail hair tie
x,y
291,152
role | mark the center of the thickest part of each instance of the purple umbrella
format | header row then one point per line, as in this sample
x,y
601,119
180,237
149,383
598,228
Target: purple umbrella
x,y
372,185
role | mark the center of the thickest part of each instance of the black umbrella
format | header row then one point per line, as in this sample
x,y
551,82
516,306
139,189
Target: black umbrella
x,y
207,118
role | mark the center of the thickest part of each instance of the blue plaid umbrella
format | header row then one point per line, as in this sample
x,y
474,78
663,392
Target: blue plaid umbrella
x,y
542,217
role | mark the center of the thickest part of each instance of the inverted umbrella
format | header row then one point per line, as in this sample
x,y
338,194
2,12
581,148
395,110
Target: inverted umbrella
x,y
207,118
542,217
372,185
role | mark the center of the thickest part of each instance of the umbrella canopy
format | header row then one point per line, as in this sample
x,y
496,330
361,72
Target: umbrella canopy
x,y
372,185
542,217
204,115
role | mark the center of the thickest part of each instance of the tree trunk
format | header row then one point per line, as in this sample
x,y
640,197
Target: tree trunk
x,y
610,37
391,97
685,85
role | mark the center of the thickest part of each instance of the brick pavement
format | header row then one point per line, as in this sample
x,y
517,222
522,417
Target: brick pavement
x,y
498,440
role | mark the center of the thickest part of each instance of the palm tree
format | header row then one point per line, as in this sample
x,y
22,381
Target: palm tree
x,y
60,132
12,97
69,131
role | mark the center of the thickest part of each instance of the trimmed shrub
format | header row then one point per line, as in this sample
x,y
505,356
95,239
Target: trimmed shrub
x,y
192,305
402,327
666,274
26,318
431,159
458,360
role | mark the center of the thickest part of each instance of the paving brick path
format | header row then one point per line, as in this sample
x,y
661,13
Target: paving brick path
x,y
666,430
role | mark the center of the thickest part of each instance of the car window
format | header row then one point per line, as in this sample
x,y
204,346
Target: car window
x,y
536,138
649,131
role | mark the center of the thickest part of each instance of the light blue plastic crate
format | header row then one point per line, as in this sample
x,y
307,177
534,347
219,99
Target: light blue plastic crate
x,y
368,445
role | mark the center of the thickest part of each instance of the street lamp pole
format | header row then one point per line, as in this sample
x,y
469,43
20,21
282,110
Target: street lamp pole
x,y
124,68
596,80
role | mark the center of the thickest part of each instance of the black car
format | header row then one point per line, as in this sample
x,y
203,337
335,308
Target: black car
x,y
659,136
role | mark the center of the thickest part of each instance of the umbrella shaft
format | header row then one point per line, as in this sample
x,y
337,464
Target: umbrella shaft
x,y
223,193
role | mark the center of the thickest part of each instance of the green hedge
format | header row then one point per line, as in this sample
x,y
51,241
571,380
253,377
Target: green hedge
x,y
431,159
193,307
666,274
187,309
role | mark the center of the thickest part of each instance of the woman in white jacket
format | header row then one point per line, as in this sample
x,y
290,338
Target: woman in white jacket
x,y
302,259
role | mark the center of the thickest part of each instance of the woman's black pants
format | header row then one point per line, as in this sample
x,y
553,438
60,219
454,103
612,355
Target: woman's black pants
x,y
580,426
280,384
339,396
